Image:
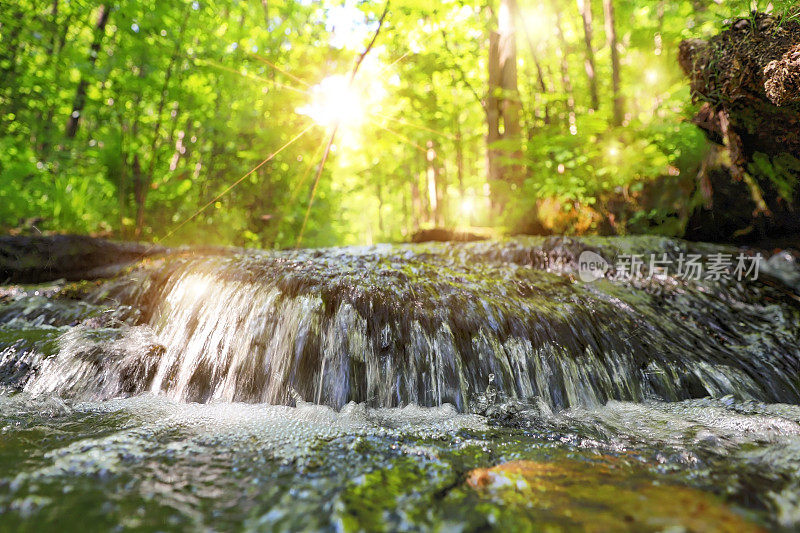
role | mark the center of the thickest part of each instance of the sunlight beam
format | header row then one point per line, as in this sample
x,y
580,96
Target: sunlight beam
x,y
235,183
418,126
313,164
279,69
401,136
250,76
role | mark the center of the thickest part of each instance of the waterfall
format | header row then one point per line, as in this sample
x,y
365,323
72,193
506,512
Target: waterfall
x,y
427,324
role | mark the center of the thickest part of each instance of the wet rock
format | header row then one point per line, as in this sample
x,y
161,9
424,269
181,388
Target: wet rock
x,y
785,265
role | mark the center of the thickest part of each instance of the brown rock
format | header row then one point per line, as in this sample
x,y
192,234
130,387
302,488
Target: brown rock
x,y
606,495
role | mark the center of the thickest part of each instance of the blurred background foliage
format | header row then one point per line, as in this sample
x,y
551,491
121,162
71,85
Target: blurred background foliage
x,y
124,118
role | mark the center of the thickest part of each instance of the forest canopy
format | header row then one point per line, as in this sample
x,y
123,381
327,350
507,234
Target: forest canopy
x,y
208,121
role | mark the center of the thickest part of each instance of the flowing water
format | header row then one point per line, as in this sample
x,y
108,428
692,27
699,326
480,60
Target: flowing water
x,y
370,388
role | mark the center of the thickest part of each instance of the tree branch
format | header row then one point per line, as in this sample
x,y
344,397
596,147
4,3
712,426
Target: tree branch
x,y
336,126
371,43
461,72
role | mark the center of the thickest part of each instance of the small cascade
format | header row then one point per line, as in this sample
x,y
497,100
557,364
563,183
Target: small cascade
x,y
428,325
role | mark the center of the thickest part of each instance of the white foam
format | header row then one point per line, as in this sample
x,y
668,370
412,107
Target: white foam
x,y
286,433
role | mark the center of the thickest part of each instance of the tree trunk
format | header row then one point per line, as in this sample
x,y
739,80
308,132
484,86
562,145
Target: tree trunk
x,y
432,181
10,44
441,186
53,28
511,104
459,158
566,81
54,51
379,195
536,64
611,38
493,121
154,145
503,105
658,41
139,191
416,204
585,8
80,93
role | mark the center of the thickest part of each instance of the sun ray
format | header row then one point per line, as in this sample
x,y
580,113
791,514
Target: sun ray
x,y
250,76
235,183
400,135
307,173
412,125
393,63
316,182
279,69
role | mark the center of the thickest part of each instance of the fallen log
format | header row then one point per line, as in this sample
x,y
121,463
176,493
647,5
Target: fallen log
x,y
446,235
39,259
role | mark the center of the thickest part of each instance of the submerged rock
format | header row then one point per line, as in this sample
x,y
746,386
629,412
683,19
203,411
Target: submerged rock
x,y
597,496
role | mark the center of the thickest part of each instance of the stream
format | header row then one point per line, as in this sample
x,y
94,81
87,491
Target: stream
x,y
447,386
